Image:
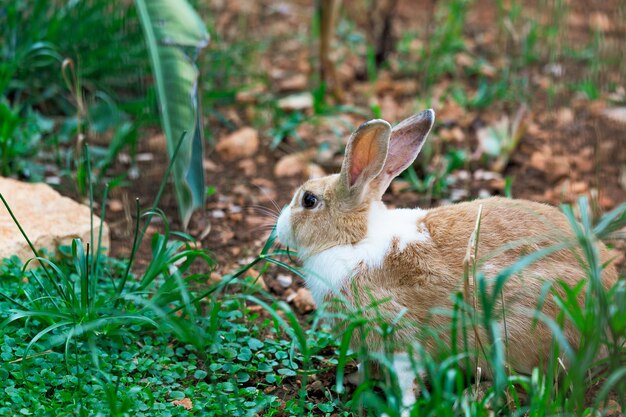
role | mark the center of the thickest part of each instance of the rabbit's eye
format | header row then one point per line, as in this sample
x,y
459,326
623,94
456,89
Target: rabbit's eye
x,y
309,201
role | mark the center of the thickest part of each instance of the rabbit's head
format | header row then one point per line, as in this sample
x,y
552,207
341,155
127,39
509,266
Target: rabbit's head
x,y
333,210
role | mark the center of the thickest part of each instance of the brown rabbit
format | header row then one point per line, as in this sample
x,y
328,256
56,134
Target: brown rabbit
x,y
352,245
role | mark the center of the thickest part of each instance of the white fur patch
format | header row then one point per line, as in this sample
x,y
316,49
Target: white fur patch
x,y
406,377
283,227
328,271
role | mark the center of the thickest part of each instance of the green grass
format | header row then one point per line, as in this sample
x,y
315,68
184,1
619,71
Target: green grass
x,y
230,349
232,354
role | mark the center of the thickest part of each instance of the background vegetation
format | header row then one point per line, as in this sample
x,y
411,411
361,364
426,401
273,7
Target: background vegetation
x,y
177,323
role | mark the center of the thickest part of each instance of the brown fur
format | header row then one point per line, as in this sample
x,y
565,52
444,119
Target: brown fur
x,y
426,275
311,227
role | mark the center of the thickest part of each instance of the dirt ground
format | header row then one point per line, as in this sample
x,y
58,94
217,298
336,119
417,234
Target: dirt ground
x,y
570,148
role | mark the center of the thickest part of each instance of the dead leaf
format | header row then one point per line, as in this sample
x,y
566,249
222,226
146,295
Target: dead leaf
x,y
242,143
185,402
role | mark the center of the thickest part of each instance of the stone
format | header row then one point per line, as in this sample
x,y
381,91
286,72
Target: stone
x,y
315,171
290,165
284,280
242,143
303,301
48,219
296,102
616,114
293,83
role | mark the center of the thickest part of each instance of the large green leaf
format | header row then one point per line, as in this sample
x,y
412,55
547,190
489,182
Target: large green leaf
x,y
175,35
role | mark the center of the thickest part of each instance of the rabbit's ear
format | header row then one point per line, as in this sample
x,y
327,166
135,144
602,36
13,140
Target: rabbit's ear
x,y
405,143
365,157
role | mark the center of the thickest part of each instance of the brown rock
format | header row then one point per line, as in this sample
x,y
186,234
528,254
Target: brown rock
x,y
251,95
115,205
256,279
613,409
296,82
247,166
616,114
579,187
303,301
399,186
49,220
557,167
538,161
600,22
451,111
314,171
565,116
157,143
242,143
210,166
296,102
214,278
464,60
257,221
292,164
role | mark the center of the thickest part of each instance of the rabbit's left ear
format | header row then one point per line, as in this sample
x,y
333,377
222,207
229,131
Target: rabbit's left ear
x,y
405,143
365,157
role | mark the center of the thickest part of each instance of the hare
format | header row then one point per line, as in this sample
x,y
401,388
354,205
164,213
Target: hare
x,y
352,245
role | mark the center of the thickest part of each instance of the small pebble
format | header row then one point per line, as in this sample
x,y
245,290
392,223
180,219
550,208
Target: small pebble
x,y
284,280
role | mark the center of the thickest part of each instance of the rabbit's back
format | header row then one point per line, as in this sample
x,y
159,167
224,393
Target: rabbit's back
x,y
509,229
424,276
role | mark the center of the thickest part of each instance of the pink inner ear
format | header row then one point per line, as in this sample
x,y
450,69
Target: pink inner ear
x,y
362,156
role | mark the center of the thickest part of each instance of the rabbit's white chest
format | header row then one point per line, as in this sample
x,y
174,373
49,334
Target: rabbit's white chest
x,y
327,272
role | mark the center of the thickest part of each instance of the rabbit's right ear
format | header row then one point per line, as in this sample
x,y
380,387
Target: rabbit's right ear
x,y
366,154
405,143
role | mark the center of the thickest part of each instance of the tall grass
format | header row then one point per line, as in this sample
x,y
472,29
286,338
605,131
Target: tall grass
x,y
450,386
